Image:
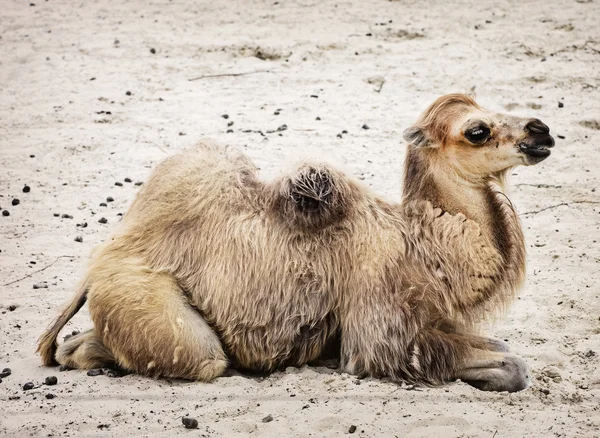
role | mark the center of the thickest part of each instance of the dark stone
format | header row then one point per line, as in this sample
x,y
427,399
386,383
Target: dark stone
x,y
5,372
28,386
50,396
365,126
190,423
66,216
110,199
127,180
267,419
95,372
561,105
128,93
153,51
50,381
15,201
5,213
119,183
352,429
102,220
78,239
26,189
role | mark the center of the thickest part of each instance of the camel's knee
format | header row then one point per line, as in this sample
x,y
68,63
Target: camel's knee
x,y
85,351
497,372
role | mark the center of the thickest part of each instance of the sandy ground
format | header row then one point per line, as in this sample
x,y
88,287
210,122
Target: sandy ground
x,y
92,93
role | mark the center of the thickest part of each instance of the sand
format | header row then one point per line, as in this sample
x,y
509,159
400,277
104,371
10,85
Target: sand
x,y
92,93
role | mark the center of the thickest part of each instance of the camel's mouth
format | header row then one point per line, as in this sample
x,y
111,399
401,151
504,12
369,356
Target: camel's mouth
x,y
537,147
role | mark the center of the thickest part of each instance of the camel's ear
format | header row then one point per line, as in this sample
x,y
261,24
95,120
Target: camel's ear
x,y
415,136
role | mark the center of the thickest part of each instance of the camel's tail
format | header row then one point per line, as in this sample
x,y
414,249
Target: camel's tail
x,y
47,344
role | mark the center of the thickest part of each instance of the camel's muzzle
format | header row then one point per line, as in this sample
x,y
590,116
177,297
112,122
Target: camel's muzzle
x,y
537,146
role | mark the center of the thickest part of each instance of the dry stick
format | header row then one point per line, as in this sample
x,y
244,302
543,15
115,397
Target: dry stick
x,y
39,270
380,86
230,74
560,205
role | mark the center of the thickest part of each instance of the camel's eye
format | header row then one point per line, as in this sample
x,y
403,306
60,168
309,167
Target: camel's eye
x,y
478,134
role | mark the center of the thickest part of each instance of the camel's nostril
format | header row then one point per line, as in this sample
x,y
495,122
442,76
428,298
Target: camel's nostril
x,y
536,126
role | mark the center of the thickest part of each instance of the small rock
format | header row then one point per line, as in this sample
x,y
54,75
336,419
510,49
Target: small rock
x,y
229,131
127,180
26,189
50,396
5,213
50,381
66,216
551,372
352,429
128,93
590,353
83,225
78,239
40,286
5,372
190,423
56,214
139,183
365,126
12,307
561,105
63,368
267,419
545,391
119,183
153,51
225,116
103,204
95,372
102,220
110,199
15,201
28,386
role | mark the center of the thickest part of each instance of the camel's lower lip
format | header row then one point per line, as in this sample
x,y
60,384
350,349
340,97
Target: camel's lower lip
x,y
535,151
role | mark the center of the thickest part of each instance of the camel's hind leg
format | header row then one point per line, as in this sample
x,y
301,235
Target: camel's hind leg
x,y
85,351
148,324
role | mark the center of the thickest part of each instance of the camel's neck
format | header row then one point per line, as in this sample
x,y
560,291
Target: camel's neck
x,y
483,201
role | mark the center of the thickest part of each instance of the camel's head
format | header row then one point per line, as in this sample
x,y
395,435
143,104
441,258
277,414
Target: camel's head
x,y
475,141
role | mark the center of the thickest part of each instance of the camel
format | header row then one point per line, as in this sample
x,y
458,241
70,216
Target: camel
x,y
212,267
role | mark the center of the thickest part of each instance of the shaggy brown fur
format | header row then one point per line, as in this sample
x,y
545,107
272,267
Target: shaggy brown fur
x,y
211,266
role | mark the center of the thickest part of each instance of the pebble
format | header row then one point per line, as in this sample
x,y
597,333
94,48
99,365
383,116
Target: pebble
x,y
26,189
128,93
5,213
561,105
66,216
40,286
365,126
78,239
5,372
103,204
95,372
153,51
119,183
267,419
102,220
110,199
56,214
139,183
12,307
225,116
15,201
352,429
50,381
28,386
127,180
63,368
50,396
190,423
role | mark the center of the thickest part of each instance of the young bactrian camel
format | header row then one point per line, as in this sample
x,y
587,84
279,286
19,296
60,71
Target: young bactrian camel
x,y
213,267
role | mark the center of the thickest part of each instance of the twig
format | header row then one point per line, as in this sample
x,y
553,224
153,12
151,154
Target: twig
x,y
220,75
495,433
380,86
39,270
559,205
